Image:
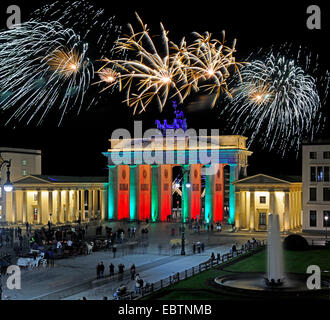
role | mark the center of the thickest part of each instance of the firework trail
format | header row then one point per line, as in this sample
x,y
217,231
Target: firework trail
x,y
153,72
43,65
95,27
275,102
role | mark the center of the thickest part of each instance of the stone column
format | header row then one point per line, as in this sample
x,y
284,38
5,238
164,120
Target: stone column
x,y
24,206
272,204
94,203
13,206
238,198
40,220
103,198
82,204
154,192
59,207
90,203
112,192
67,205
286,210
252,211
185,194
232,178
132,193
50,205
75,205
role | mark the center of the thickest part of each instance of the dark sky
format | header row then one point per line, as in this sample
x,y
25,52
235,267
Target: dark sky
x,y
75,147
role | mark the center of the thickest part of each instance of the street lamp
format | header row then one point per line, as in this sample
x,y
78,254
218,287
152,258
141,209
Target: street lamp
x,y
8,187
326,228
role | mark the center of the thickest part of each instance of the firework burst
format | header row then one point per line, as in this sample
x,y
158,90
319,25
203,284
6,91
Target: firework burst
x,y
210,64
153,73
275,103
43,65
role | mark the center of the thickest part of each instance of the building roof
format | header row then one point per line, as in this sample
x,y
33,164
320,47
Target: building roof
x,y
31,179
267,179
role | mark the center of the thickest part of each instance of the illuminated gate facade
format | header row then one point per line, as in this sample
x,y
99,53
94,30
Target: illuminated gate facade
x,y
141,190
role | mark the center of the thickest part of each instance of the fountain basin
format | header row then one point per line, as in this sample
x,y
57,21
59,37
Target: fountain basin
x,y
253,281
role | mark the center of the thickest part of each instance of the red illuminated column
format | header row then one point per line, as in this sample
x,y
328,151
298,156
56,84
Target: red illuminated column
x,y
123,191
195,192
144,193
165,191
218,194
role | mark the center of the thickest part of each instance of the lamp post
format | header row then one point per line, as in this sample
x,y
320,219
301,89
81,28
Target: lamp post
x,y
326,228
8,187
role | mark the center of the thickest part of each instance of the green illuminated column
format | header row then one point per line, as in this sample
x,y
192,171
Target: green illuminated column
x,y
111,193
232,178
185,195
208,198
132,192
154,193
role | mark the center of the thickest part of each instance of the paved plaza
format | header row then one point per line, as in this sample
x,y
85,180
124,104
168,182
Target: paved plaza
x,y
75,277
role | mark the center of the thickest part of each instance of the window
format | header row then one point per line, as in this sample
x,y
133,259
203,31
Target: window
x,y
319,174
218,187
35,197
24,162
312,218
35,214
144,187
24,173
326,174
312,194
313,174
262,199
326,222
312,155
165,186
262,218
326,155
326,194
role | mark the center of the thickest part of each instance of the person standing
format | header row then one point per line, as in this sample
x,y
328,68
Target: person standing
x,y
111,269
98,271
132,272
121,272
101,269
114,249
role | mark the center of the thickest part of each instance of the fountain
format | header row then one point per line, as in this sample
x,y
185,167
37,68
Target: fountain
x,y
274,252
275,281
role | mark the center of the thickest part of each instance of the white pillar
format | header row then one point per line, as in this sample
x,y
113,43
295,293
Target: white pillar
x,y
39,203
13,205
286,210
59,206
90,203
82,204
74,206
50,205
24,206
252,210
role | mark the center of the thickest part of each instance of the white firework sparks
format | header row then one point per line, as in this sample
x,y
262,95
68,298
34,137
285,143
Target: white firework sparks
x,y
276,101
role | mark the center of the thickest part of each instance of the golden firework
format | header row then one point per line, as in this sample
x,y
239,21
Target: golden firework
x,y
65,62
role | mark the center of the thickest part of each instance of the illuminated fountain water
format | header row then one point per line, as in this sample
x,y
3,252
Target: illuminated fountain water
x,y
274,281
275,274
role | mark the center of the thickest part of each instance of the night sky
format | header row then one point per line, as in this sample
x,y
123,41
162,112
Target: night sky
x,y
75,147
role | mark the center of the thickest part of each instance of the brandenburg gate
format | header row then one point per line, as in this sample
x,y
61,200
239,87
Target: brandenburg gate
x,y
140,184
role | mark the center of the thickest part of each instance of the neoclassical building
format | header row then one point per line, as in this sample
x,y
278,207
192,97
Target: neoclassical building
x,y
259,195
38,199
140,183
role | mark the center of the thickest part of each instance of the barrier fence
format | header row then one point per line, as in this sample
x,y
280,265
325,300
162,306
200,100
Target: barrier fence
x,y
186,274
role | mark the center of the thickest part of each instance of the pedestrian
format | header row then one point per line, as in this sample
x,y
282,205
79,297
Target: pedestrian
x,y
51,258
194,248
111,269
114,249
98,271
202,246
132,272
101,269
137,283
212,256
120,272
